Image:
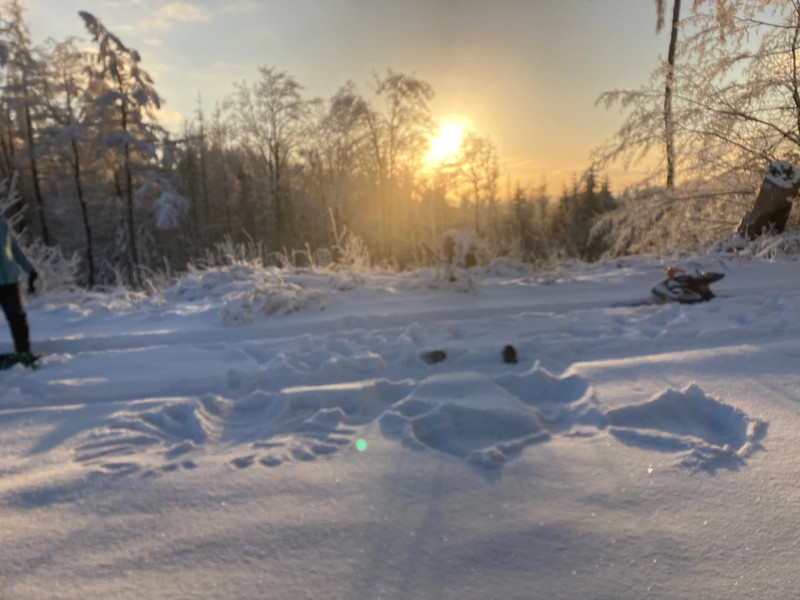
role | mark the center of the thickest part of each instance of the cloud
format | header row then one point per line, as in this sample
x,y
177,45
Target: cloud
x,y
182,11
166,17
239,7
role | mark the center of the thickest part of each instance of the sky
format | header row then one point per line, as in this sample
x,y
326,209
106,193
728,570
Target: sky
x,y
525,73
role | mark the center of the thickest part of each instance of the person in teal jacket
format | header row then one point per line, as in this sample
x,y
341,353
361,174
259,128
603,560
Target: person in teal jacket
x,y
12,258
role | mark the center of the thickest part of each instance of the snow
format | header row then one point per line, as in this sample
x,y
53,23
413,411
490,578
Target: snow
x,y
255,433
783,174
169,208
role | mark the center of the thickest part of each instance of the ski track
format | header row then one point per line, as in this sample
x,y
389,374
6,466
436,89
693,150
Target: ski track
x,y
240,398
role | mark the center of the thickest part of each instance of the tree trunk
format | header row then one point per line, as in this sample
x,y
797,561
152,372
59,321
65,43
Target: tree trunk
x,y
7,162
277,199
9,151
37,191
476,192
774,202
669,125
226,196
204,176
245,204
76,170
133,253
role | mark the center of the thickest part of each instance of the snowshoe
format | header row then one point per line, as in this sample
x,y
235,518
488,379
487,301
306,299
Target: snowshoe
x,y
680,286
26,359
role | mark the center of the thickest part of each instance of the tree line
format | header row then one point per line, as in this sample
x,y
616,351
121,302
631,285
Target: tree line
x,y
306,180
295,179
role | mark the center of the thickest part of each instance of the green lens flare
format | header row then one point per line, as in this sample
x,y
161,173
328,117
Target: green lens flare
x,y
361,445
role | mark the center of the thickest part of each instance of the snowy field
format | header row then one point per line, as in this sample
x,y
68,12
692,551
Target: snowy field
x,y
252,434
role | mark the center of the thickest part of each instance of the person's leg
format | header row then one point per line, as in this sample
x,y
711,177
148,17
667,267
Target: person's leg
x,y
17,319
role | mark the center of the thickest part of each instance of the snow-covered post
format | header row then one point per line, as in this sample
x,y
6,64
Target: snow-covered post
x,y
774,202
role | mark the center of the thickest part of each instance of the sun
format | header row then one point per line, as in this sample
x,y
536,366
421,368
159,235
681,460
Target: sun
x,y
445,144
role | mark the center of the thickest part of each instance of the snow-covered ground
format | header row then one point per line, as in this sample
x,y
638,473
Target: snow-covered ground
x,y
255,434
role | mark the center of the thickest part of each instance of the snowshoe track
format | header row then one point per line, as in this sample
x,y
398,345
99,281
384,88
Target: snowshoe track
x,y
239,399
481,420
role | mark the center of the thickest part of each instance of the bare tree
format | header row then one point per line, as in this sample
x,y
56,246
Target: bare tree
x,y
334,144
745,99
268,117
653,117
398,137
480,170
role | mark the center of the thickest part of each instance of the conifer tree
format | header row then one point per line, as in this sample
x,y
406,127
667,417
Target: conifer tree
x,y
126,90
22,82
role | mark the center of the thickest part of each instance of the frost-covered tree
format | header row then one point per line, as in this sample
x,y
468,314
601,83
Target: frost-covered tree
x,y
743,90
22,88
125,96
657,113
69,110
736,108
653,219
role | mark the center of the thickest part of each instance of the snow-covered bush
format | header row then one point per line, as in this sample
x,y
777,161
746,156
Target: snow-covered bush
x,y
353,254
169,208
766,247
215,283
264,299
247,293
656,219
55,270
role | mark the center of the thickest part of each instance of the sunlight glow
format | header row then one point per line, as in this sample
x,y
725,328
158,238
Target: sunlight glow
x,y
446,143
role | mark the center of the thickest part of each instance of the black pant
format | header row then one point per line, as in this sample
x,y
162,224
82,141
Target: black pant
x,y
17,320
